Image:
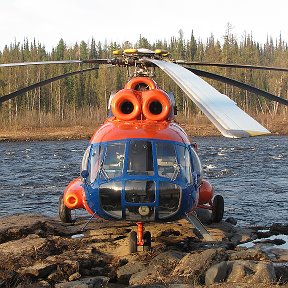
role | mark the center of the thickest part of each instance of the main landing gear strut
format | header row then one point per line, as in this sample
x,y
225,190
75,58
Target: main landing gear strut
x,y
141,239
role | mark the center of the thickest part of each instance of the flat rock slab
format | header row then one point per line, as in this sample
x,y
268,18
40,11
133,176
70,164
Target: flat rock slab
x,y
42,251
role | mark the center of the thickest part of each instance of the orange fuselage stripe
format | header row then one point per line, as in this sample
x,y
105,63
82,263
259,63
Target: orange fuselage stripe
x,y
114,130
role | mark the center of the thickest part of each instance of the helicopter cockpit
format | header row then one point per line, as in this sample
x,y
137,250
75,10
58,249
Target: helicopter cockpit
x,y
140,180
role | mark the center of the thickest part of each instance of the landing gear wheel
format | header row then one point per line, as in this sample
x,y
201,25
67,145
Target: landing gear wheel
x,y
132,242
64,212
217,209
147,241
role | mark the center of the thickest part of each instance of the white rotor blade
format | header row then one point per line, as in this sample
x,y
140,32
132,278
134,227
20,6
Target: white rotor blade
x,y
40,63
224,113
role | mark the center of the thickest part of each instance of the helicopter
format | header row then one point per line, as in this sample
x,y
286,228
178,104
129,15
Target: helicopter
x,y
140,165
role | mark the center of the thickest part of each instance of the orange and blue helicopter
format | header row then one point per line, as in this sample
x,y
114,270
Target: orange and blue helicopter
x,y
140,165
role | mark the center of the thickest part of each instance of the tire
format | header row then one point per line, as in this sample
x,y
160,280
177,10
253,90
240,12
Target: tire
x,y
217,209
132,242
147,241
64,212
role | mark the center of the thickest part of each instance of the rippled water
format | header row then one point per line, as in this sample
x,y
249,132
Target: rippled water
x,y
250,173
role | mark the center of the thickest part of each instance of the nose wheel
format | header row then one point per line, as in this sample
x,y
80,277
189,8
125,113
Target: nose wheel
x,y
217,209
140,239
64,212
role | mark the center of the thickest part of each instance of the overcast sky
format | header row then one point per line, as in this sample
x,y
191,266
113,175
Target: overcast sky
x,y
116,20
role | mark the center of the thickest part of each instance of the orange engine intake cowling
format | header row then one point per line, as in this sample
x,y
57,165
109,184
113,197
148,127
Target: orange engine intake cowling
x,y
206,192
125,105
156,105
138,83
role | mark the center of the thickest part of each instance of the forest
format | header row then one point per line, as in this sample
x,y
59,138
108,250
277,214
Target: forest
x,y
82,99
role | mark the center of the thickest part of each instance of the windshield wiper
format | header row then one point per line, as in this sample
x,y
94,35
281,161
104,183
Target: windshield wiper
x,y
177,168
104,172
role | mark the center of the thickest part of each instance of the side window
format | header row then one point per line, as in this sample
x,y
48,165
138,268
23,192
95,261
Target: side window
x,y
197,168
96,152
84,164
166,160
185,163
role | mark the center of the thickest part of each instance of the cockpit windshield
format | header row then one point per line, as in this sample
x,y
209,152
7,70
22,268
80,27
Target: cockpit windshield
x,y
169,160
140,158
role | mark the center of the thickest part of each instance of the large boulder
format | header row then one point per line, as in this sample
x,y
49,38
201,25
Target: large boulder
x,y
278,254
279,228
241,271
125,272
38,270
192,267
26,251
216,274
92,282
159,268
248,254
281,272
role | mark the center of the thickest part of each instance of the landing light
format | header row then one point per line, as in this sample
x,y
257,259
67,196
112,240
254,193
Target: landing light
x,y
144,210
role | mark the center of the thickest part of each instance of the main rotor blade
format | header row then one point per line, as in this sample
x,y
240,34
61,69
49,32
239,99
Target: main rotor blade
x,y
42,83
224,113
91,61
238,84
231,65
40,63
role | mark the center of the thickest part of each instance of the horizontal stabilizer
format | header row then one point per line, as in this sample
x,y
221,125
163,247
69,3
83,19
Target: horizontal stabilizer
x,y
224,113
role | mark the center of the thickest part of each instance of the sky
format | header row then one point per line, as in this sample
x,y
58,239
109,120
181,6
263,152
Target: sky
x,y
120,21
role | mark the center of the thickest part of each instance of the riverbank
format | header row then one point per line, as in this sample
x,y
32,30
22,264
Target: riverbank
x,y
85,132
202,127
40,251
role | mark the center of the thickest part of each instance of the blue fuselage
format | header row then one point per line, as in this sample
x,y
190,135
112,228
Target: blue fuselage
x,y
142,179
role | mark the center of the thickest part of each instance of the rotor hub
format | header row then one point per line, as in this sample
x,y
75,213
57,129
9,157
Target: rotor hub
x,y
136,60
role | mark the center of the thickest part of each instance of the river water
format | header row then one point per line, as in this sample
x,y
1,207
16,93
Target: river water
x,y
251,174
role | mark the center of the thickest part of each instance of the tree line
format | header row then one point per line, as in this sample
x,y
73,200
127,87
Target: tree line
x,y
85,96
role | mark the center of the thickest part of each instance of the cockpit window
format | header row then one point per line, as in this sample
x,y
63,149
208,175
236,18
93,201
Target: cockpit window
x,y
140,158
185,163
112,165
197,165
84,164
167,160
96,153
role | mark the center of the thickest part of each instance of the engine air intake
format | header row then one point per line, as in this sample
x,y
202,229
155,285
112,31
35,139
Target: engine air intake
x,y
141,84
156,105
125,105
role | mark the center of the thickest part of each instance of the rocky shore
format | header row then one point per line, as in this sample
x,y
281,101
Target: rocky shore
x,y
39,251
